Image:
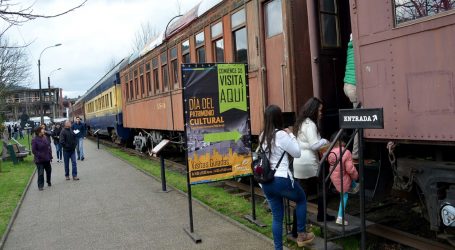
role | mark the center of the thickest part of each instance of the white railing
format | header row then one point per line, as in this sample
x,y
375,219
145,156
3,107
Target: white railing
x,y
28,99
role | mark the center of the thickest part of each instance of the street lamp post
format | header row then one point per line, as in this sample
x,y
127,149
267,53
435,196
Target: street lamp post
x,y
50,96
39,79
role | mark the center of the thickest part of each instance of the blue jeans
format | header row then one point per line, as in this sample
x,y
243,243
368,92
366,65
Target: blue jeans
x,y
80,148
58,149
275,191
66,158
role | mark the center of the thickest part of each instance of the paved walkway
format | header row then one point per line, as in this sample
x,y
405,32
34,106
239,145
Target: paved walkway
x,y
114,206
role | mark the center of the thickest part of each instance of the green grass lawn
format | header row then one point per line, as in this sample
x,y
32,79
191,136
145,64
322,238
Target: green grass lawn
x,y
13,180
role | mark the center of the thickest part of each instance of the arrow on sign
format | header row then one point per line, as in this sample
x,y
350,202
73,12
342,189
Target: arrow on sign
x,y
222,136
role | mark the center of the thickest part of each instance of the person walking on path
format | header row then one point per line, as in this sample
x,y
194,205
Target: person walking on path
x,y
69,142
276,141
56,139
79,130
42,151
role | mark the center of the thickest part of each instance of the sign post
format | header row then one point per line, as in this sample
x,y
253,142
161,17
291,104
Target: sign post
x,y
97,137
155,152
217,124
28,128
360,119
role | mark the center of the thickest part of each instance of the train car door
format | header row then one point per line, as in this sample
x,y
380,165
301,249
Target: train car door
x,y
334,31
275,60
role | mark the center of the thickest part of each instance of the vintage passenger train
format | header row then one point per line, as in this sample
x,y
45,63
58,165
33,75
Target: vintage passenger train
x,y
296,49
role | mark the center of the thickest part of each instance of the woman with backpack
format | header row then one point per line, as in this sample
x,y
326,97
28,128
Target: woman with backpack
x,y
277,141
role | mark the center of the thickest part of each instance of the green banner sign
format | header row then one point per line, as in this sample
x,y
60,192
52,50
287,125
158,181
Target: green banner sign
x,y
232,87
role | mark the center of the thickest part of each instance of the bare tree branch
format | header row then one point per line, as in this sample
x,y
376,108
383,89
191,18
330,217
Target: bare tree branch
x,y
144,35
17,17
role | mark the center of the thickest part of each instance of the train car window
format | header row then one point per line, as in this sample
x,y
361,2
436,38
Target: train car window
x,y
200,39
328,5
200,53
156,79
186,52
143,92
200,49
174,53
164,71
131,90
238,19
329,21
219,50
136,85
217,30
125,87
174,68
408,10
155,62
273,18
149,82
240,45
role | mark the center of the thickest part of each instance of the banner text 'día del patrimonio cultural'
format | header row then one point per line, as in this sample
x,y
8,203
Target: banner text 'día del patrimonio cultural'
x,y
217,124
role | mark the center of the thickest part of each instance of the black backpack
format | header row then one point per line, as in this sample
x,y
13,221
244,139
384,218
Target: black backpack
x,y
262,171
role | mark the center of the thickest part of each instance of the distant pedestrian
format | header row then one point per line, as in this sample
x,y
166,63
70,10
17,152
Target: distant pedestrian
x,y
79,130
42,151
15,131
56,138
69,142
9,132
279,143
21,132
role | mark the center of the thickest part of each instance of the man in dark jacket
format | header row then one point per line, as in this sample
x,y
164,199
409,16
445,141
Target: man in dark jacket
x,y
79,130
69,142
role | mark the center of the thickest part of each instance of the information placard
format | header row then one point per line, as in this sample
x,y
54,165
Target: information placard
x,y
217,121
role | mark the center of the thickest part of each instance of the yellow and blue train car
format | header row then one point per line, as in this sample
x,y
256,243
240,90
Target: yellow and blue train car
x,y
103,106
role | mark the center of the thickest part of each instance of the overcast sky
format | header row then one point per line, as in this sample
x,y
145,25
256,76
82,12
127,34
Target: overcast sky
x,y
91,37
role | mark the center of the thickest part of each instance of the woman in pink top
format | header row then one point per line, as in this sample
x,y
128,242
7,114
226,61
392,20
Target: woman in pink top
x,y
349,175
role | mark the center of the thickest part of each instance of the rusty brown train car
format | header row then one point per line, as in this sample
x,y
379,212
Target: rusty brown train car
x,y
297,49
405,64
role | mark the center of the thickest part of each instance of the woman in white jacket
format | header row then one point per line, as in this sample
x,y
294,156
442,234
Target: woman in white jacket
x,y
277,141
310,142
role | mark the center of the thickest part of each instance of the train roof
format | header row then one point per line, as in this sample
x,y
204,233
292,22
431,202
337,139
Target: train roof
x,y
197,11
105,82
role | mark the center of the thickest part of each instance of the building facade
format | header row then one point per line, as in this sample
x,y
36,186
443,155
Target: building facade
x,y
27,101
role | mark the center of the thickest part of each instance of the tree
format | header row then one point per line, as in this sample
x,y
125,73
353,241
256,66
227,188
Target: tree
x,y
143,36
14,66
17,16
406,10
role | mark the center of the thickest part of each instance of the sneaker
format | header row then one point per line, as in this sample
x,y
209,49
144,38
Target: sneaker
x,y
304,238
82,159
49,184
67,178
355,189
40,189
340,221
75,178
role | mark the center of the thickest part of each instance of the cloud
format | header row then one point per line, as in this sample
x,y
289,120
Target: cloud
x,y
91,37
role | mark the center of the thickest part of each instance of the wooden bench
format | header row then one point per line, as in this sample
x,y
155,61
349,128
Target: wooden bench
x,y
15,153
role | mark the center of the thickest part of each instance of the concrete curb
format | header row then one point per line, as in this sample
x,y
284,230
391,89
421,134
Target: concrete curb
x,y
16,212
224,217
